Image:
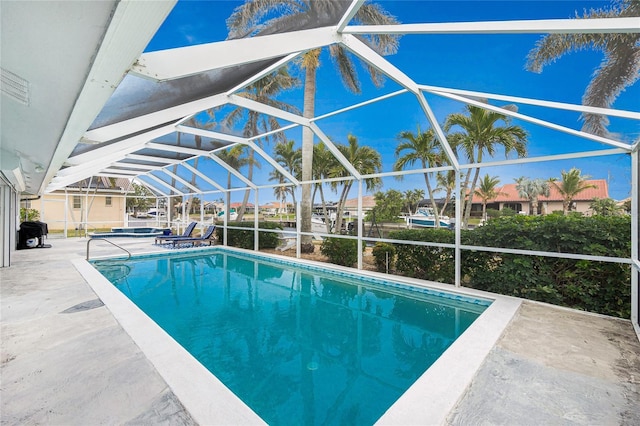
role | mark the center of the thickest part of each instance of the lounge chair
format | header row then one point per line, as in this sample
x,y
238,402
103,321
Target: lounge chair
x,y
207,237
289,243
186,234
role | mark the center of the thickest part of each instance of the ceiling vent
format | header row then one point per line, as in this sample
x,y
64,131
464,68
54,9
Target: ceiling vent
x,y
15,87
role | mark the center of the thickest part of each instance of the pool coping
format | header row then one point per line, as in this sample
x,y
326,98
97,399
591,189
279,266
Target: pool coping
x,y
209,401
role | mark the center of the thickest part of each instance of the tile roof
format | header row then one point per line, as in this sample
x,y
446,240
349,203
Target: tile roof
x,y
510,193
368,202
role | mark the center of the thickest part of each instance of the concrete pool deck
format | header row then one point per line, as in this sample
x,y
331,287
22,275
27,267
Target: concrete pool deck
x,y
66,360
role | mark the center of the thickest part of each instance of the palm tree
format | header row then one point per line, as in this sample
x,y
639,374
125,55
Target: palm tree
x,y
531,190
234,157
446,182
254,17
365,160
425,149
619,69
280,191
571,184
264,91
290,159
323,163
412,198
487,191
605,207
480,134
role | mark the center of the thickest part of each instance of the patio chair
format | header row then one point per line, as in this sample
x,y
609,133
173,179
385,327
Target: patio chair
x,y
207,237
186,234
288,243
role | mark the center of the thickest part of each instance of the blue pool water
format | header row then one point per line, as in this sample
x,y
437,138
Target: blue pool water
x,y
299,345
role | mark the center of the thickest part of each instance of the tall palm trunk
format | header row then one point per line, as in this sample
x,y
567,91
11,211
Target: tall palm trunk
x,y
307,157
463,196
341,202
432,199
467,213
245,200
325,213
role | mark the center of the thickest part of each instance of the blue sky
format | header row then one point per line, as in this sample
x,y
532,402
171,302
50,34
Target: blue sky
x,y
487,63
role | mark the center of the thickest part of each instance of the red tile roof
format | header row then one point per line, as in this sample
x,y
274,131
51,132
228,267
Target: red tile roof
x,y
510,193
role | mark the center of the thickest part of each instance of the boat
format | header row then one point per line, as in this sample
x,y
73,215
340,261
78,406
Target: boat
x,y
425,218
318,225
233,215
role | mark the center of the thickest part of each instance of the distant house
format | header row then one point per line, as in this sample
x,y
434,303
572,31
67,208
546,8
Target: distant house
x,y
509,198
249,208
90,204
275,207
351,205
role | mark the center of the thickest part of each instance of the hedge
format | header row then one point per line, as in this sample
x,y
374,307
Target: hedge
x,y
244,239
581,284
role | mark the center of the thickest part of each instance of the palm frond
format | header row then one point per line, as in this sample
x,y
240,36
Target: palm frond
x,y
346,68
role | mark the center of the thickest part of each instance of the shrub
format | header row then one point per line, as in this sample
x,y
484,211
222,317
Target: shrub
x,y
581,284
425,262
29,215
341,251
385,257
244,239
601,287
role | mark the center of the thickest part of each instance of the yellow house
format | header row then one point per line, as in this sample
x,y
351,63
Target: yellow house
x,y
89,205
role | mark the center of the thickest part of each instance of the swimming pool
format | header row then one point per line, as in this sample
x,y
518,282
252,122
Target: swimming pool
x,y
298,344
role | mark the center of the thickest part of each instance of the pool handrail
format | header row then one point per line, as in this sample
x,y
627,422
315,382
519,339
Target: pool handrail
x,y
110,242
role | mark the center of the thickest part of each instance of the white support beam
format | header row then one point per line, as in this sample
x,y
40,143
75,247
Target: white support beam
x,y
152,159
268,70
135,166
635,244
185,61
113,175
536,102
133,125
115,54
278,130
537,121
120,172
85,165
541,26
545,158
175,148
125,146
181,180
335,151
438,131
266,109
161,182
368,55
232,171
210,134
273,162
152,188
348,16
361,104
203,177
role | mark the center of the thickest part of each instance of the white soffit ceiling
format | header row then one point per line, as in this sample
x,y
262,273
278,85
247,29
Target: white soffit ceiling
x,y
72,55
